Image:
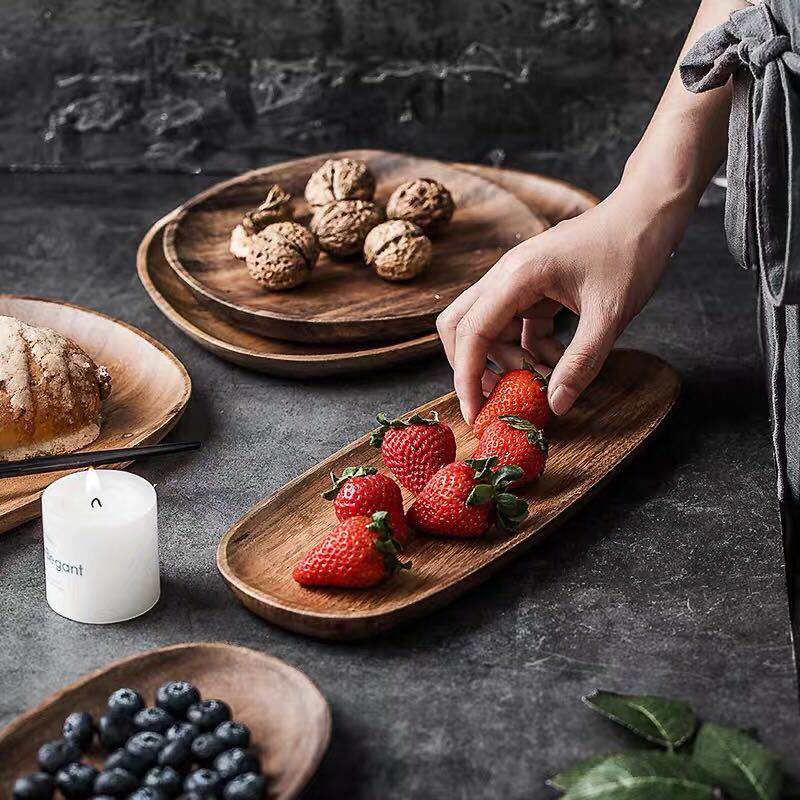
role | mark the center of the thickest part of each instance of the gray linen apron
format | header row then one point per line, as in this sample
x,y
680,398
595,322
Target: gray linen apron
x,y
758,48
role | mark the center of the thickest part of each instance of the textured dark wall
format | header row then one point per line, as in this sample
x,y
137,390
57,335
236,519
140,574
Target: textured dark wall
x,y
560,85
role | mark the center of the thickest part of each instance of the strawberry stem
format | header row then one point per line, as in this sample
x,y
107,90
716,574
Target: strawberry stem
x,y
533,434
385,543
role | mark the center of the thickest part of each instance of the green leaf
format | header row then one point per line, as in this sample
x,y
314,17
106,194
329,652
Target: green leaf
x,y
658,719
743,767
480,494
644,776
565,780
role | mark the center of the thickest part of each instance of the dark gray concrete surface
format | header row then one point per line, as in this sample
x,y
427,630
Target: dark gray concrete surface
x,y
671,581
141,84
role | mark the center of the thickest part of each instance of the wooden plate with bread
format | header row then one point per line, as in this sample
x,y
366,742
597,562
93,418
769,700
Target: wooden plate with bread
x,y
73,379
344,300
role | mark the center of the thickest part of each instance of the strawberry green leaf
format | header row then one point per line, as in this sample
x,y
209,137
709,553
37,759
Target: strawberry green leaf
x,y
480,494
511,510
506,475
376,437
743,767
385,543
482,466
658,719
538,375
348,472
565,780
644,776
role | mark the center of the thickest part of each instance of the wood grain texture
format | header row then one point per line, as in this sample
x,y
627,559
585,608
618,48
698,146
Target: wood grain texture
x,y
622,408
289,719
343,300
150,389
551,199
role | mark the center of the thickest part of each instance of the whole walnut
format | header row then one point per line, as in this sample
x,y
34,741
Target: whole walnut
x,y
277,207
342,227
397,250
423,201
340,179
282,255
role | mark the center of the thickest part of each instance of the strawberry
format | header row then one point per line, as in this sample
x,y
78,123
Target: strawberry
x,y
521,392
415,448
361,491
464,499
357,553
513,440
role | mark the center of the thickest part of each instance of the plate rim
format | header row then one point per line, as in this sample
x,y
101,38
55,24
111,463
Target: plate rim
x,y
199,290
239,586
296,786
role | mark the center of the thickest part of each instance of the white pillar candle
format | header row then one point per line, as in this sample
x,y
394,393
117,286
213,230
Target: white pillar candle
x,y
101,546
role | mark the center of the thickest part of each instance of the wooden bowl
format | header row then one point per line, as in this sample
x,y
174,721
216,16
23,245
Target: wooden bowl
x,y
343,300
621,409
289,719
225,339
150,389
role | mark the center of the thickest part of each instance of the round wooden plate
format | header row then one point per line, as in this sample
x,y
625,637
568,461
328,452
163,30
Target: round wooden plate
x,y
225,339
150,389
344,301
614,418
288,717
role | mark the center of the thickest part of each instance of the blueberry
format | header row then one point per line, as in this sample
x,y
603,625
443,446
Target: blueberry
x,y
164,778
206,747
175,697
152,719
79,728
147,745
57,754
176,754
148,793
183,731
207,714
204,782
36,786
122,759
76,780
233,734
116,782
235,762
246,787
113,732
125,703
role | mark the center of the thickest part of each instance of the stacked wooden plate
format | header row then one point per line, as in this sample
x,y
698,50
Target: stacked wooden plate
x,y
345,318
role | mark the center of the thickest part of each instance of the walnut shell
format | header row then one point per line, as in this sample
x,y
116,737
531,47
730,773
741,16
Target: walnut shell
x,y
422,201
342,227
240,242
282,256
340,179
397,250
277,207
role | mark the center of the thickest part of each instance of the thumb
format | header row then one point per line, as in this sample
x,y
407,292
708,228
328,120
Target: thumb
x,y
582,360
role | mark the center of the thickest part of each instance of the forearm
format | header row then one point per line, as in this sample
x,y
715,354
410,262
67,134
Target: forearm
x,y
686,140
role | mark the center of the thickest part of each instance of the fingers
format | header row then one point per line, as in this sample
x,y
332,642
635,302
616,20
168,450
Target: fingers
x,y
583,358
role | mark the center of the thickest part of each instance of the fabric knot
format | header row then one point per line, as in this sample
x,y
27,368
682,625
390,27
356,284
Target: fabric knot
x,y
766,52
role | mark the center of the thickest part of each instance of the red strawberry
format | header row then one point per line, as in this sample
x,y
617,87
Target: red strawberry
x,y
513,440
361,491
357,553
465,498
415,448
521,392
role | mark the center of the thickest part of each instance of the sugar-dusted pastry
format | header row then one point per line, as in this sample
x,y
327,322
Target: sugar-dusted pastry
x,y
51,393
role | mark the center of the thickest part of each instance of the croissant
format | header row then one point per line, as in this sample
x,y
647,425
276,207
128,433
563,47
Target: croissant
x,y
51,393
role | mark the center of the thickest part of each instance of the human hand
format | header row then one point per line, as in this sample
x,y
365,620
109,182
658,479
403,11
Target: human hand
x,y
603,265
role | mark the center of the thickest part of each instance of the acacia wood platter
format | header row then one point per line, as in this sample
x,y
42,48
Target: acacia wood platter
x,y
289,719
623,407
550,199
149,389
343,300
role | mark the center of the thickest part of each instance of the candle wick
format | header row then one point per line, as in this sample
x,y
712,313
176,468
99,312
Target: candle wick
x,y
97,500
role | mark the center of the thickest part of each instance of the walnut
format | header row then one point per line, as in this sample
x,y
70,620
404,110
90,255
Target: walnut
x,y
240,242
277,207
340,179
397,250
282,255
342,227
423,201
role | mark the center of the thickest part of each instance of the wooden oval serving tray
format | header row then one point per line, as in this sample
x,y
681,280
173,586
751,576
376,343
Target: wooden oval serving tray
x,y
288,717
622,408
222,337
344,301
150,389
